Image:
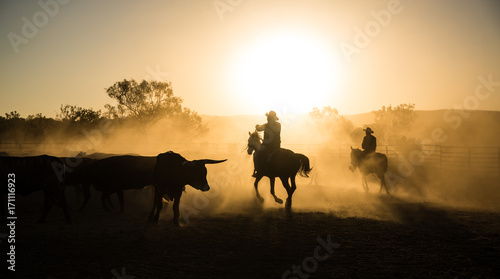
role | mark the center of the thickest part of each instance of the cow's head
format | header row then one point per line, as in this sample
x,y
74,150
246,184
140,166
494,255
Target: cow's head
x,y
197,173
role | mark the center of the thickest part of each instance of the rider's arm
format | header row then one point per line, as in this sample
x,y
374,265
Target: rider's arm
x,y
260,127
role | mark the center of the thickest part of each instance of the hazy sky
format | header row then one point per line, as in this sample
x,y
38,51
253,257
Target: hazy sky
x,y
248,56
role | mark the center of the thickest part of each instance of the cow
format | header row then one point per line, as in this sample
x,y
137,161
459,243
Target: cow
x,y
172,173
115,174
39,173
73,177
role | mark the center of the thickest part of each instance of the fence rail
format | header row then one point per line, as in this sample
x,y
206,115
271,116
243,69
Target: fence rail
x,y
466,158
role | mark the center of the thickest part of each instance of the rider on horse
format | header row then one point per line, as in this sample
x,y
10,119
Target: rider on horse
x,y
369,142
271,142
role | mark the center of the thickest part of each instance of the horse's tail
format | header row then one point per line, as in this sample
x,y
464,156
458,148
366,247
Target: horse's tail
x,y
304,168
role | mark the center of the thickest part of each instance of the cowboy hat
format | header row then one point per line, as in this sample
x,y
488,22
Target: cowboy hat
x,y
369,130
272,113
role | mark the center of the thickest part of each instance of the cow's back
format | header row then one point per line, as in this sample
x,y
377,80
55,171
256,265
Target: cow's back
x,y
74,170
121,172
32,173
168,167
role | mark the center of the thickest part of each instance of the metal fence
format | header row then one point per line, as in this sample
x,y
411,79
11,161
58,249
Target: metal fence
x,y
472,159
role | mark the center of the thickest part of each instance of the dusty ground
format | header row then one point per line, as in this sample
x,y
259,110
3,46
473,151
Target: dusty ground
x,y
393,238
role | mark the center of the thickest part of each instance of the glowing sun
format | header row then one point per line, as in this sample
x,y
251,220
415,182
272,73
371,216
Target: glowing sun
x,y
288,72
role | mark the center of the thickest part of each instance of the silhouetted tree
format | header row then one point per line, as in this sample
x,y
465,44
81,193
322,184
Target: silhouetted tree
x,y
329,123
78,114
38,126
146,101
12,115
393,123
150,101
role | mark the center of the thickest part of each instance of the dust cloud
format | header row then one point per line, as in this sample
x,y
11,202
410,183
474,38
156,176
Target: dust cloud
x,y
457,166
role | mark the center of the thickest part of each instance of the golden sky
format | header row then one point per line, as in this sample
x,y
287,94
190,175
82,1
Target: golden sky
x,y
229,57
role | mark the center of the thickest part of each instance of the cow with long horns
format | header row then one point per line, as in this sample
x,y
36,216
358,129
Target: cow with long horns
x,y
172,173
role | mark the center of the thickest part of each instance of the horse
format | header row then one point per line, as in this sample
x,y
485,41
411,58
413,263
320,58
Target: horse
x,y
371,163
283,163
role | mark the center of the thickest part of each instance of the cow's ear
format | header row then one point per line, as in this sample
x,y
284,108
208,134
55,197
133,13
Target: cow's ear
x,y
249,133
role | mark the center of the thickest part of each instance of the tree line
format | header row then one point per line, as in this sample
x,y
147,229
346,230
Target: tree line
x,y
135,104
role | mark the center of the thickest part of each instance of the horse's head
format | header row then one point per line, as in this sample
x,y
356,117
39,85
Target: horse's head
x,y
355,157
254,142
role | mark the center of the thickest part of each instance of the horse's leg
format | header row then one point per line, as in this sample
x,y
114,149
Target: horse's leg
x,y
276,199
383,184
288,203
294,186
256,185
364,182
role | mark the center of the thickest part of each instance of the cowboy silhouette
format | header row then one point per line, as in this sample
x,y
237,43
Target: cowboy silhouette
x,y
369,144
271,142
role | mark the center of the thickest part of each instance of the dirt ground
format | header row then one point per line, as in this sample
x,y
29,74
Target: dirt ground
x,y
401,239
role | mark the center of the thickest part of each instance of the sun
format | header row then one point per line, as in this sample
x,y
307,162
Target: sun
x,y
286,71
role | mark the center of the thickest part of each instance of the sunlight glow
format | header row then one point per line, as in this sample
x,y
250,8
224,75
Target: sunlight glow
x,y
287,72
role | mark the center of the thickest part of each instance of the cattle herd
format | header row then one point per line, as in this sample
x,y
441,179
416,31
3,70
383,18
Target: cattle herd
x,y
168,172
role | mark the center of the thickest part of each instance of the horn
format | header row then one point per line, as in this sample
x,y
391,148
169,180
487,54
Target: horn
x,y
208,161
352,148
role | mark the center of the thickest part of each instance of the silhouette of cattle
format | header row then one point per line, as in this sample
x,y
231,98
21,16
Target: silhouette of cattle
x,y
38,173
113,175
73,177
171,173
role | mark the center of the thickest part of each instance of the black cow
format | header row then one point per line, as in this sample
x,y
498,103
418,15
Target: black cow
x,y
116,174
31,174
171,173
73,176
